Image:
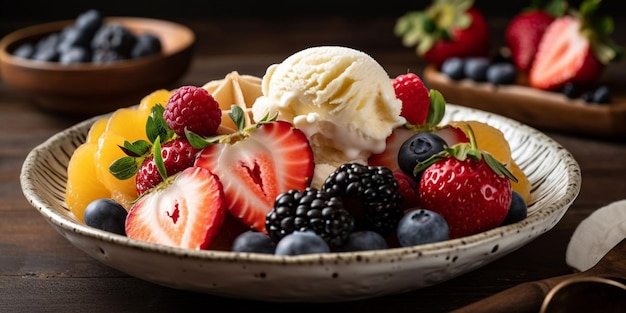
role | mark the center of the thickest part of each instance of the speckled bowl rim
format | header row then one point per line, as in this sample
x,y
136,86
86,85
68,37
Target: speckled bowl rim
x,y
558,207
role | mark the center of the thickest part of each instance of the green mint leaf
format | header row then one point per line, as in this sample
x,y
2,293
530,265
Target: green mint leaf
x,y
238,116
198,141
156,126
158,158
125,167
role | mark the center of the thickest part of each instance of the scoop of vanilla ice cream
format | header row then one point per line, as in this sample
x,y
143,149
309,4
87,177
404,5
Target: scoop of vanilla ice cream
x,y
341,98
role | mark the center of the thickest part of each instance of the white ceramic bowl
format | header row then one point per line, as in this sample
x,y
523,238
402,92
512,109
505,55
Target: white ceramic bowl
x,y
554,174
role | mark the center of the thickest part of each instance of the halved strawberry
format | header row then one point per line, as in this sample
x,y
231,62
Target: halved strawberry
x,y
389,157
186,211
574,48
256,164
451,135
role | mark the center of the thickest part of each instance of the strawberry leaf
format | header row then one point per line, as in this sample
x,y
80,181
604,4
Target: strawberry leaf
x,y
424,28
437,108
597,30
498,167
125,167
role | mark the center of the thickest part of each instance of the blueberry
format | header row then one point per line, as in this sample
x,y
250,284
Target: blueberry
x,y
602,94
89,21
501,73
49,42
301,242
363,240
476,68
517,210
107,215
418,148
253,241
570,90
25,51
147,44
104,56
48,55
74,37
421,226
116,38
453,68
47,48
75,55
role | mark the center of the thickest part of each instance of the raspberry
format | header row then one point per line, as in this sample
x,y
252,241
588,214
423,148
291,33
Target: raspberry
x,y
193,108
178,154
415,97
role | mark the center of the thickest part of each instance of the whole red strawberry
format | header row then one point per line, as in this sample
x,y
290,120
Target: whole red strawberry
x,y
193,108
524,31
468,187
177,155
186,211
415,97
574,48
445,29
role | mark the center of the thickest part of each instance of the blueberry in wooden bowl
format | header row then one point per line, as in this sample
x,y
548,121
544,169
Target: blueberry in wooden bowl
x,y
87,83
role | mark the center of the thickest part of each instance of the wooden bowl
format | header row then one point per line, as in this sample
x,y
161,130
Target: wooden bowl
x,y
87,89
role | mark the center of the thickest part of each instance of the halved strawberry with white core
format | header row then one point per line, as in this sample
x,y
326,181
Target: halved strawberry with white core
x,y
564,56
574,48
389,157
257,165
186,211
451,135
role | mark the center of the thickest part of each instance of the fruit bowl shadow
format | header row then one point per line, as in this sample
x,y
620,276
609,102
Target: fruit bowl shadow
x,y
86,89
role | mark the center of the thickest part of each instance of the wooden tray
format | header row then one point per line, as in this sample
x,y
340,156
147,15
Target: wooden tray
x,y
540,109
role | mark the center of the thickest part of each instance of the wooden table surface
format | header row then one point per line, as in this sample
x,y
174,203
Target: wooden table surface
x,y
40,271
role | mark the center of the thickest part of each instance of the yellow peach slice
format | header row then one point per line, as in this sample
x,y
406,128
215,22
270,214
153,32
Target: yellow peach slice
x,y
83,185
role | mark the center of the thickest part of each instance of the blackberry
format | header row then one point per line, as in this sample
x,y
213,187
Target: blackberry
x,y
309,210
369,193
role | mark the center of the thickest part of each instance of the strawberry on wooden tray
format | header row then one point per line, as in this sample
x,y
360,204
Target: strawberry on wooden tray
x,y
545,110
